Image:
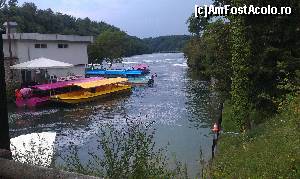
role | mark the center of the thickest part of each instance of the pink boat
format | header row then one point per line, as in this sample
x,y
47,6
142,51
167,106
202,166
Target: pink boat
x,y
143,67
32,101
40,94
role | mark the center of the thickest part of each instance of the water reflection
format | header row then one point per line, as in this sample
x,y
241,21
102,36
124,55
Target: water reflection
x,y
203,103
197,93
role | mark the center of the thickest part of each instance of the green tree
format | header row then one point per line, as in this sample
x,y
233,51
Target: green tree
x,y
240,53
217,60
96,53
12,3
263,53
197,25
210,55
109,46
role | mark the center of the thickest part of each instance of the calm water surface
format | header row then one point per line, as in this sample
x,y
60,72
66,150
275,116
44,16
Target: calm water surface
x,y
177,103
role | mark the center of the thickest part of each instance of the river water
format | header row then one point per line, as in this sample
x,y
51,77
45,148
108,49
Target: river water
x,y
178,104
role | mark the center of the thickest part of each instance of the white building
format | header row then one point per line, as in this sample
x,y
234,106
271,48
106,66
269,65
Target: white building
x,y
28,46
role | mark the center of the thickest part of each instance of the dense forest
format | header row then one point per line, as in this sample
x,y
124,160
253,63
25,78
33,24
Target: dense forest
x,y
167,43
255,60
30,19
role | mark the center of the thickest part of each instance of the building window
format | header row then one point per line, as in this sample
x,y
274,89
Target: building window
x,y
43,45
40,45
63,45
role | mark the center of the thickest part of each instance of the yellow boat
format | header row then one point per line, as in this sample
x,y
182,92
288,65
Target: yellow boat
x,y
89,91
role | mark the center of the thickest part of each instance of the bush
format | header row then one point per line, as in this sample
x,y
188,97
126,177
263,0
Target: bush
x,y
127,153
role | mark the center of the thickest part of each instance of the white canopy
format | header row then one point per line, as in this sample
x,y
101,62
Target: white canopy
x,y
41,63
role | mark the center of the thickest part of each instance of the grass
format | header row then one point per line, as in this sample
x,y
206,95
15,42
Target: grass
x,y
269,150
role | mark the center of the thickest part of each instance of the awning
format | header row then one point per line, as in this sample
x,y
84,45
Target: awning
x,y
52,86
41,63
102,82
140,67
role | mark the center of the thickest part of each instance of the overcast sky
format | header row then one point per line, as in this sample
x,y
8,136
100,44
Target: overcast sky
x,y
142,18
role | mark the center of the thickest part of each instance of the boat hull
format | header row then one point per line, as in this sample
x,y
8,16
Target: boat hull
x,y
139,81
32,102
90,97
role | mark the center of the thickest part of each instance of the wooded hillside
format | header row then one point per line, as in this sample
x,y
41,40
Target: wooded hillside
x,y
167,43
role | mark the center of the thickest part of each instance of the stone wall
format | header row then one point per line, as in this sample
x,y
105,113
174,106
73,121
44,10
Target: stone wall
x,y
12,169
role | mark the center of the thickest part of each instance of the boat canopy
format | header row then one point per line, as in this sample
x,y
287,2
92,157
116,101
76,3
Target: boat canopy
x,y
52,86
102,82
140,66
41,63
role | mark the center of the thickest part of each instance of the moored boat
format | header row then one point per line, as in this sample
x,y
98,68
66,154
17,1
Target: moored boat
x,y
139,81
113,73
143,80
142,67
40,94
135,71
89,91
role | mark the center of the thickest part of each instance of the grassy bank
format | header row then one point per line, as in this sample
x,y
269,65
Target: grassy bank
x,y
269,150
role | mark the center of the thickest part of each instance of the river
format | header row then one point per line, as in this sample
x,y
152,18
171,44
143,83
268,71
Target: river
x,y
178,104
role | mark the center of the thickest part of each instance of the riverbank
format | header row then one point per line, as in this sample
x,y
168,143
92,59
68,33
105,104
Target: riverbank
x,y
269,150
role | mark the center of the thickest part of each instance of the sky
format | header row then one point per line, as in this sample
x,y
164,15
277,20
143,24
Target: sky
x,y
141,18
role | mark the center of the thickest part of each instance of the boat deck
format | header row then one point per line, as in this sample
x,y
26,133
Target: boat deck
x,y
90,94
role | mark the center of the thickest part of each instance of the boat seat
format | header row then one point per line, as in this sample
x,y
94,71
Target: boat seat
x,y
61,79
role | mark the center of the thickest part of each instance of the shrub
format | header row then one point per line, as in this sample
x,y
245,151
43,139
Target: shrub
x,y
128,152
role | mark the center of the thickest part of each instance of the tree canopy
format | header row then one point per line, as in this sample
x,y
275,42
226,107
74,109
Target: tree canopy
x,y
109,46
30,19
255,58
167,43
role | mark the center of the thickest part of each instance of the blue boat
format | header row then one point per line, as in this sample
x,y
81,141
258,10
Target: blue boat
x,y
113,73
